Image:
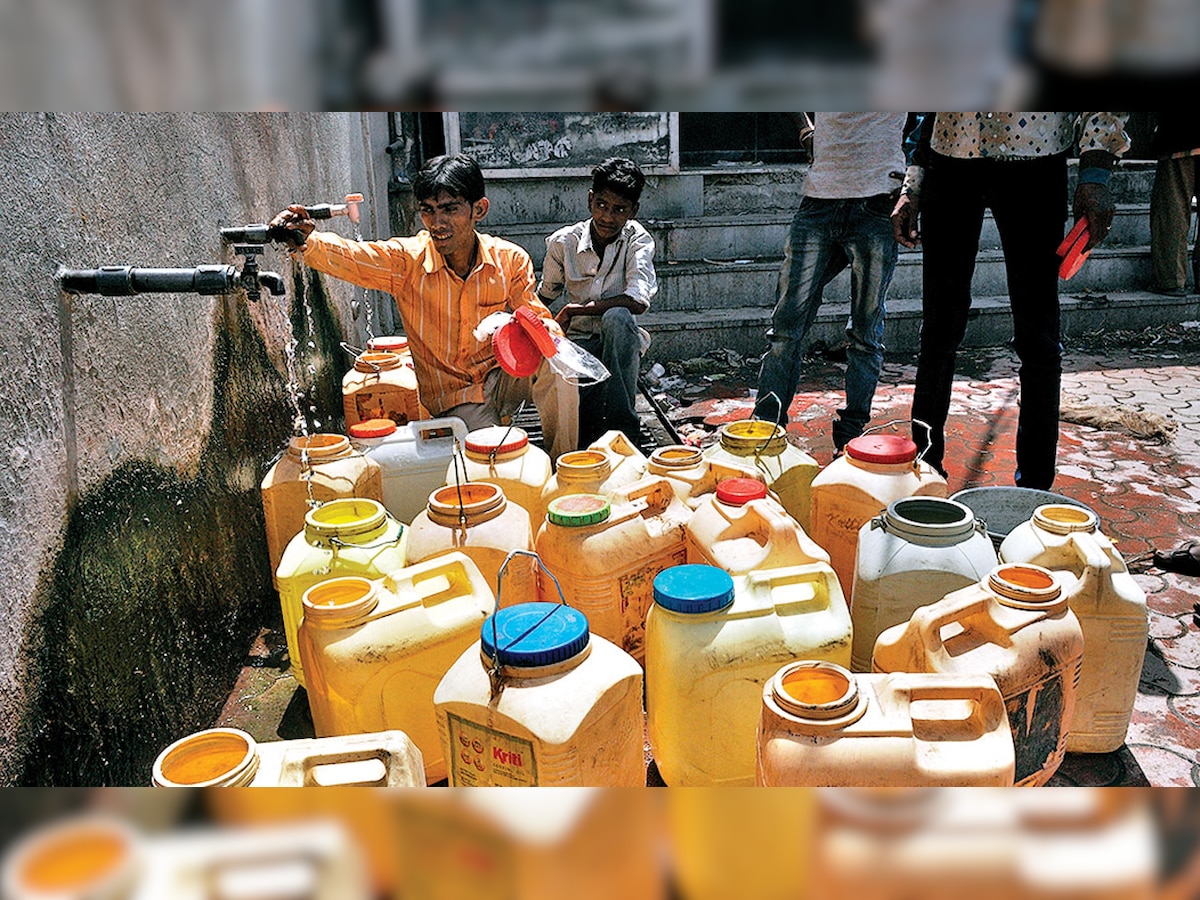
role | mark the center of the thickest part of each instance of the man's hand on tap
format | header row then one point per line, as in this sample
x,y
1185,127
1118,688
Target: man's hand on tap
x,y
295,218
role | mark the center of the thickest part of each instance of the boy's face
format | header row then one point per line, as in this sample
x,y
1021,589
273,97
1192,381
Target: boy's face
x,y
450,221
610,212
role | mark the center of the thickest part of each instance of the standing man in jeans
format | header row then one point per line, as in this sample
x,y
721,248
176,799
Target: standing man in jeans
x,y
844,221
1015,164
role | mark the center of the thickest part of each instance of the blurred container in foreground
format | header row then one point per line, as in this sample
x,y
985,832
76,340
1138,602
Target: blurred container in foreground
x,y
81,857
727,843
526,844
314,860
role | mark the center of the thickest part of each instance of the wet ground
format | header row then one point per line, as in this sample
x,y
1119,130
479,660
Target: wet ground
x,y
1140,475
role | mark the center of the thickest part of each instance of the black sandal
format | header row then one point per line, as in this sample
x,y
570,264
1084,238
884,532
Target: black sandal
x,y
1184,559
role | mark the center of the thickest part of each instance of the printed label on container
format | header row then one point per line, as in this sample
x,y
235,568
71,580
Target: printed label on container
x,y
637,596
381,405
482,757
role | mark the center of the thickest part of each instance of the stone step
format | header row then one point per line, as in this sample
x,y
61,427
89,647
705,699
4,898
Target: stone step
x,y
684,334
709,284
762,235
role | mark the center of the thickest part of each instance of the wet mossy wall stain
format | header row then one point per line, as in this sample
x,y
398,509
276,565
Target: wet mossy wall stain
x,y
163,581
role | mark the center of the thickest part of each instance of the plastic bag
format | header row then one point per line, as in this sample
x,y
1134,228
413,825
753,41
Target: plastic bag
x,y
570,362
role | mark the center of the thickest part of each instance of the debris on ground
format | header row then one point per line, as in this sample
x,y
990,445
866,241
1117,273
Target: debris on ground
x,y
1137,422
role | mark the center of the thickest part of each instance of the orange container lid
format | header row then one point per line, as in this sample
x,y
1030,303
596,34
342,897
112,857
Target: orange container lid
x,y
537,331
372,428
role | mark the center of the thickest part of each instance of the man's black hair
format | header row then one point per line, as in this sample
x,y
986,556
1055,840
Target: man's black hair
x,y
621,176
458,176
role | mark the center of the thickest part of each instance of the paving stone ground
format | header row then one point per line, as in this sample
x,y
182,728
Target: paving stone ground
x,y
1146,494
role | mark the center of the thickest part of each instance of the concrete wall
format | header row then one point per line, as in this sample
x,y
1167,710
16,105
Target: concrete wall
x,y
136,430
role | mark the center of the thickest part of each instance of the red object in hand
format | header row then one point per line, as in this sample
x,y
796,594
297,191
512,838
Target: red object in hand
x,y
1071,249
522,344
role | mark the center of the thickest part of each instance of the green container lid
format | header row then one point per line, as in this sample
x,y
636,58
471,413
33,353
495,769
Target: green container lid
x,y
576,510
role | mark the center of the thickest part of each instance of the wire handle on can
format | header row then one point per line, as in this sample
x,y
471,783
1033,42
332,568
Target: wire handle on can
x,y
512,423
494,676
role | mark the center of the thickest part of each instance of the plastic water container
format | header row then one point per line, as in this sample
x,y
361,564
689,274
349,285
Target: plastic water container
x,y
1111,608
381,385
692,475
787,470
916,552
740,528
367,817
539,701
719,840
531,844
412,459
605,555
342,537
604,466
712,642
320,468
87,856
476,519
503,456
229,757
310,858
822,726
1016,626
875,471
378,648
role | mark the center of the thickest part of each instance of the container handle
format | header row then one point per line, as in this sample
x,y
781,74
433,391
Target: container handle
x,y
980,690
778,408
1096,563
345,757
928,435
929,620
356,353
494,676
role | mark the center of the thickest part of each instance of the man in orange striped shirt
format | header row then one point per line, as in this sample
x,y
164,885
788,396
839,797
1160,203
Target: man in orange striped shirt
x,y
445,281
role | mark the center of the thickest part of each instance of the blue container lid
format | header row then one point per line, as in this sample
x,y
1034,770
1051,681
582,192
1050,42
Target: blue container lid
x,y
693,589
555,633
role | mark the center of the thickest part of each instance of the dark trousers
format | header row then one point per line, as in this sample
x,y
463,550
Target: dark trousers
x,y
1028,202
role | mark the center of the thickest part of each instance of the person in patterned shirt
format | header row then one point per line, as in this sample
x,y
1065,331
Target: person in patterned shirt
x,y
1015,164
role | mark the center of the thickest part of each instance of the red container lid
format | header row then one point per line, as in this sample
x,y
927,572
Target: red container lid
x,y
488,440
515,350
372,428
882,449
739,491
537,331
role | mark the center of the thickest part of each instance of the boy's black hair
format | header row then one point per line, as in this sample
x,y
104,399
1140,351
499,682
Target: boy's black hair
x,y
458,176
621,176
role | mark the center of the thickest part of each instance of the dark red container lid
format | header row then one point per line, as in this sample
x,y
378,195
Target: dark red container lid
x,y
882,449
739,491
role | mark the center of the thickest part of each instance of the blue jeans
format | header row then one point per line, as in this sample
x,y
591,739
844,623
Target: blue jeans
x,y
826,237
612,404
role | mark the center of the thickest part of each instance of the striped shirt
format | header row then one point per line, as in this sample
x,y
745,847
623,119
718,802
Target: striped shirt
x,y
438,309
